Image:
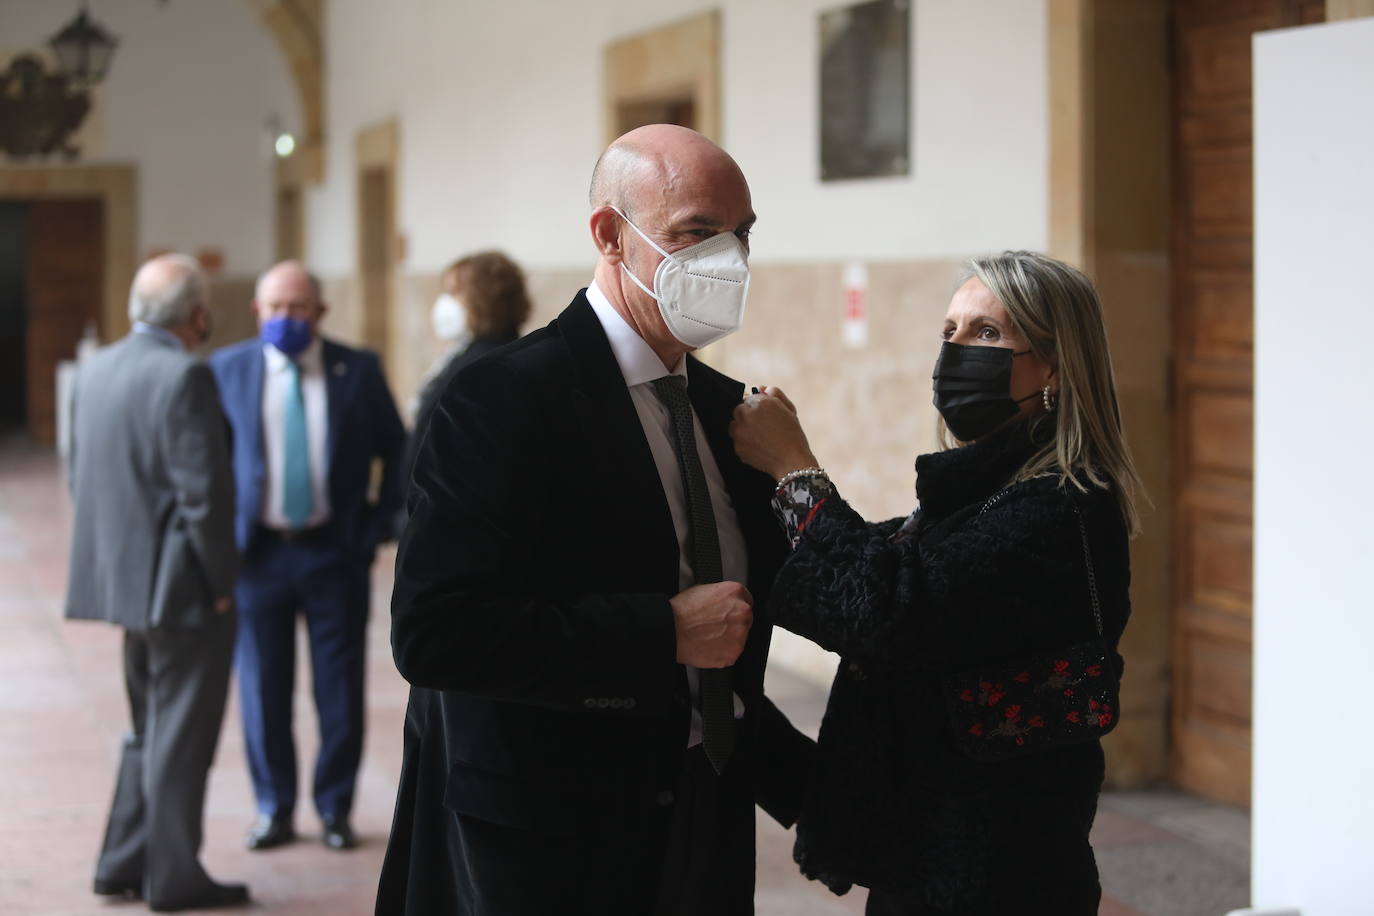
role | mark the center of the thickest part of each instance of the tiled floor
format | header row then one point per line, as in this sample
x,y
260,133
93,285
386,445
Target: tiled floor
x,y
62,711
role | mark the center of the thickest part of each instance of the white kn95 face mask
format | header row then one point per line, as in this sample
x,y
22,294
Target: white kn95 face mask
x,y
701,289
449,318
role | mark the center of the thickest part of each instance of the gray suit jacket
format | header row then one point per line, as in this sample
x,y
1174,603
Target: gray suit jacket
x,y
153,540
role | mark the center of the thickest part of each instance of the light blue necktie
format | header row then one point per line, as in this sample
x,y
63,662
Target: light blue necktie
x,y
297,502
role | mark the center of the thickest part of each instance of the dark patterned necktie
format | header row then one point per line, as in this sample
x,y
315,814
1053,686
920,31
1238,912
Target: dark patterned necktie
x,y
716,690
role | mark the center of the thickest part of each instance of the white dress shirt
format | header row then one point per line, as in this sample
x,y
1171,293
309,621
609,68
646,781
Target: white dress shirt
x,y
275,384
640,365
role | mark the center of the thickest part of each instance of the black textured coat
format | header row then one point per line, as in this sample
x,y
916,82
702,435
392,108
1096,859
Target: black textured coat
x,y
895,805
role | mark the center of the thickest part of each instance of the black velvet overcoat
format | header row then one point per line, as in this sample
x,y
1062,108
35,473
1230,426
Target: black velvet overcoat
x,y
895,805
548,718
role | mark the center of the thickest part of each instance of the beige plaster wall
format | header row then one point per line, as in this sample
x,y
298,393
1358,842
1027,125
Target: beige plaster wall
x,y
344,321
231,308
868,411
1348,9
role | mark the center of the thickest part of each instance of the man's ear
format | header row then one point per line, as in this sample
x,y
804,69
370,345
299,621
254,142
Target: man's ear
x,y
606,226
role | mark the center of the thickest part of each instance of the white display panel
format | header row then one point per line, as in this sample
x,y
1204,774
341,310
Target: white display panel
x,y
1314,496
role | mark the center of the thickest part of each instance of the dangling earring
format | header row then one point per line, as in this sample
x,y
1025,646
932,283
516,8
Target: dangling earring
x,y
1050,399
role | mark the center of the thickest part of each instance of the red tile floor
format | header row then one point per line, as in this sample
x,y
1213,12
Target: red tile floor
x,y
62,712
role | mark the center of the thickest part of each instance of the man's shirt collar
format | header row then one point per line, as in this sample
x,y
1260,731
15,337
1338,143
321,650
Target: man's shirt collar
x,y
162,334
637,360
311,359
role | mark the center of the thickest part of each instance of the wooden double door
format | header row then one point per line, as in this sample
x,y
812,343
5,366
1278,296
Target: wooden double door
x,y
51,289
1213,321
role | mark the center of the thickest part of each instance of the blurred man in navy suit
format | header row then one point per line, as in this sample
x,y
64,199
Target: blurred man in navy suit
x,y
309,418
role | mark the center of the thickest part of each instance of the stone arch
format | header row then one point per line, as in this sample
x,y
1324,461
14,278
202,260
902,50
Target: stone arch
x,y
297,25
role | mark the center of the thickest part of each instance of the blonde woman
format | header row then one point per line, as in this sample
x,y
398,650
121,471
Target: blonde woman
x,y
959,767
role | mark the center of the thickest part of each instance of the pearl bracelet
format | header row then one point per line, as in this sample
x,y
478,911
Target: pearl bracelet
x,y
801,472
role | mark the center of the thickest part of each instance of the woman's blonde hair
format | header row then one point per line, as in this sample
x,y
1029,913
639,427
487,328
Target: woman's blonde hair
x,y
1056,307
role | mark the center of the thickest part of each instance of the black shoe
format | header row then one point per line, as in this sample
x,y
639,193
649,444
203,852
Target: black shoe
x,y
213,897
107,888
268,832
338,835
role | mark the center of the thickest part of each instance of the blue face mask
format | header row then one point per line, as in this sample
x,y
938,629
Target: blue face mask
x,y
289,335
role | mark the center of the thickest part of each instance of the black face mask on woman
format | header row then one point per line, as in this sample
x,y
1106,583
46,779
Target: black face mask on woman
x,y
973,388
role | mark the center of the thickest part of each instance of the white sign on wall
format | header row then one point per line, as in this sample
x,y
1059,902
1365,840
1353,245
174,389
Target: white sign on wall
x,y
854,327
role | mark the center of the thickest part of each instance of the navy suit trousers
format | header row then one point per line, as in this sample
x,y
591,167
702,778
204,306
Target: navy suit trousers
x,y
281,580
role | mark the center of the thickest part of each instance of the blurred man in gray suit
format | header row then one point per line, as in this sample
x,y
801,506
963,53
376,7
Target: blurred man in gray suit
x,y
153,552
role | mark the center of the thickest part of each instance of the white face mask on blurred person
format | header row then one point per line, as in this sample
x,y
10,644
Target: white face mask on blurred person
x,y
700,289
449,318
